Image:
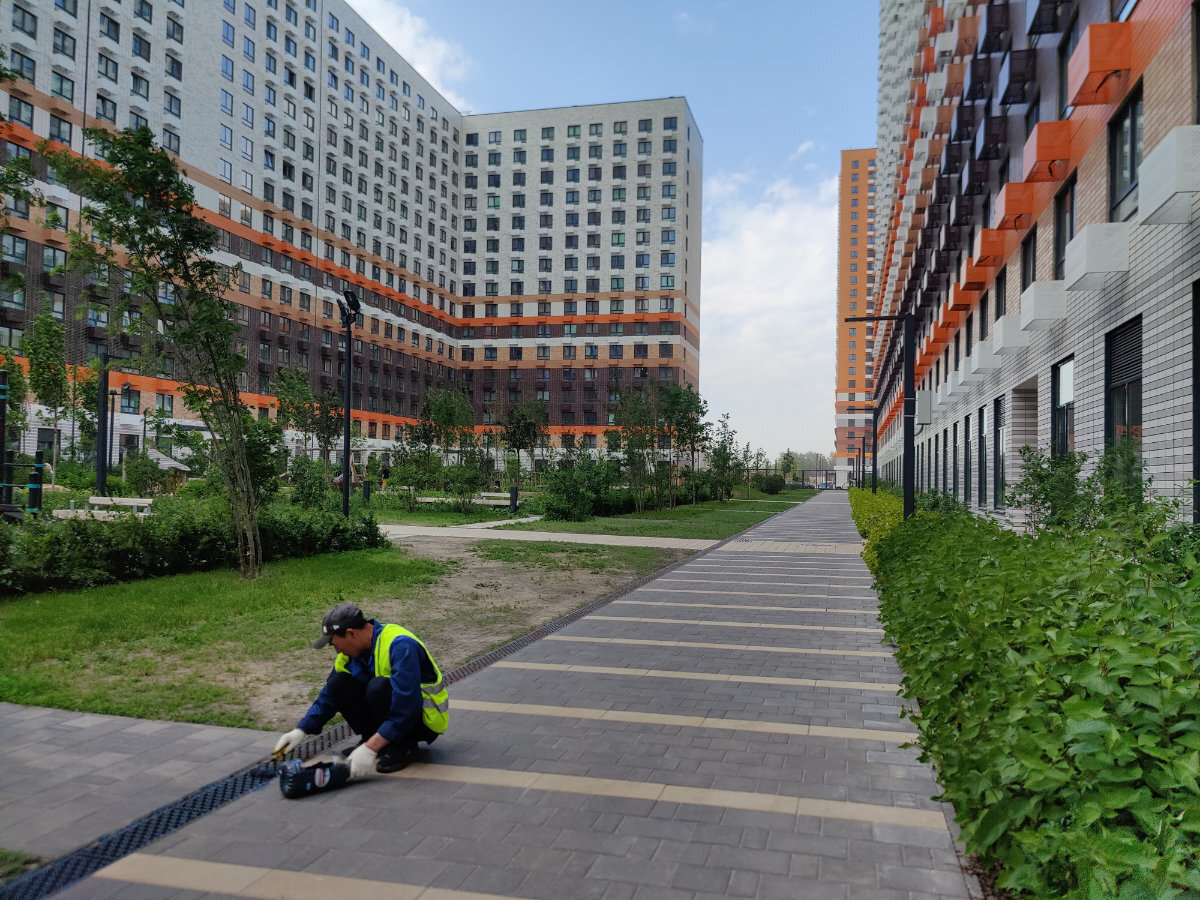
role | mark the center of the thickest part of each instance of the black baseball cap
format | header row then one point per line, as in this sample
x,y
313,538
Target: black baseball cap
x,y
337,620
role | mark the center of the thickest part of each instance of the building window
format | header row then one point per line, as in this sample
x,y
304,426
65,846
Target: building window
x,y
999,440
1124,157
1062,408
1064,226
1123,383
1029,258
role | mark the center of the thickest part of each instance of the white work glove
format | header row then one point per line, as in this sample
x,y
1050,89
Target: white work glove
x,y
290,741
362,761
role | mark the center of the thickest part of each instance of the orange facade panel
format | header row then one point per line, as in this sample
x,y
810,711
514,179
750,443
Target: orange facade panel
x,y
1103,53
1047,153
973,277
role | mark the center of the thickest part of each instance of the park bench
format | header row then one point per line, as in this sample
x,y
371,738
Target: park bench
x,y
107,508
138,505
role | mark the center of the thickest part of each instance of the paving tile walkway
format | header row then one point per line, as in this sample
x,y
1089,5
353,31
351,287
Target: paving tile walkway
x,y
66,778
730,729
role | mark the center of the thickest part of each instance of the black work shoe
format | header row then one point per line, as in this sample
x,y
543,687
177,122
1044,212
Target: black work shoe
x,y
395,757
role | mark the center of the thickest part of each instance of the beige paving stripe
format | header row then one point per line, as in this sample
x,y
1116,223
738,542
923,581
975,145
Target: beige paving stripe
x,y
740,606
701,676
659,590
794,547
706,646
725,624
269,884
731,581
666,793
680,721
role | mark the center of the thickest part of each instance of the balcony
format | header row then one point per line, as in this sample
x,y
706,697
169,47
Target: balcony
x,y
1096,252
995,35
943,48
966,35
989,248
979,80
966,119
1018,71
1008,338
992,137
957,387
961,300
973,277
974,178
1014,207
1047,152
1043,305
1169,178
953,157
1044,16
1103,53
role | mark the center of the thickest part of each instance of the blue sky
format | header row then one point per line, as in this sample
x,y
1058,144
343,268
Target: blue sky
x,y
778,89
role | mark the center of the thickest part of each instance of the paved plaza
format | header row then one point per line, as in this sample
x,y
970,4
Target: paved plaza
x,y
729,729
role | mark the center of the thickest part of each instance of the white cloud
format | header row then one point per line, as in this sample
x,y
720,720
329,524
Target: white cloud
x,y
686,23
804,147
768,310
442,62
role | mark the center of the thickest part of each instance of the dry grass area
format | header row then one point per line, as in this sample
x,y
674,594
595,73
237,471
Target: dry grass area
x,y
491,593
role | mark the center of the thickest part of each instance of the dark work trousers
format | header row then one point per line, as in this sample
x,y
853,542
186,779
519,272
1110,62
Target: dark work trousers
x,y
365,706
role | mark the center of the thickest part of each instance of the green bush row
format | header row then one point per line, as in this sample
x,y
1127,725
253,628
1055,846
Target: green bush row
x,y
1059,694
180,536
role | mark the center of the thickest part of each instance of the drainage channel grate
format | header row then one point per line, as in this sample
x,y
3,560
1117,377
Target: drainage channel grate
x,y
61,873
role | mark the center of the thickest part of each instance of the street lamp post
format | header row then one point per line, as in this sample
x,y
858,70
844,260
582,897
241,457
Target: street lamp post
x,y
349,309
102,426
908,351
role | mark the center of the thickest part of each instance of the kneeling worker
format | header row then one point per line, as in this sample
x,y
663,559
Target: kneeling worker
x,y
386,686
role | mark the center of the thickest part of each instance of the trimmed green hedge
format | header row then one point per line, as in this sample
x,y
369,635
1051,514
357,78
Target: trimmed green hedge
x,y
1060,695
181,536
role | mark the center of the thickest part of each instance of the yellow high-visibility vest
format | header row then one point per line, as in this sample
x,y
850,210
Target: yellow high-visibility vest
x,y
435,699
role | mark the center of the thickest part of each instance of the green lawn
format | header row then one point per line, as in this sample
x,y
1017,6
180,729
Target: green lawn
x,y
14,863
427,515
157,648
705,521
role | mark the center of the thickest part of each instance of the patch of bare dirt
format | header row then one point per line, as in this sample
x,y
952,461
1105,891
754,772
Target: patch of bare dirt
x,y
478,605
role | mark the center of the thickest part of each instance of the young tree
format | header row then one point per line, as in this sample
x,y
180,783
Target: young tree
x,y
722,458
683,412
45,347
787,463
523,426
450,417
637,418
81,400
139,215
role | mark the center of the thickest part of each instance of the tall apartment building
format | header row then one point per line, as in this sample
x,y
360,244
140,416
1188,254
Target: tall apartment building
x,y
857,274
1043,233
544,254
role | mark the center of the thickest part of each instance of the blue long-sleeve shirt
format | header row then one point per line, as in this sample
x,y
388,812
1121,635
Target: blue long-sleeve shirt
x,y
406,709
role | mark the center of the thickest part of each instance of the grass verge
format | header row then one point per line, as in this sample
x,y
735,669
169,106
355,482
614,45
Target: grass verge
x,y
712,520
14,863
439,517
163,648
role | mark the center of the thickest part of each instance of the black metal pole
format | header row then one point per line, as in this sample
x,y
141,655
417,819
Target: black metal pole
x,y
33,500
112,426
910,413
348,321
102,426
5,469
875,450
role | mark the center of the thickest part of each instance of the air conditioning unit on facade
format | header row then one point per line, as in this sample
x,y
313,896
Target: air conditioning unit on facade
x,y
1009,338
1095,252
1169,179
1043,305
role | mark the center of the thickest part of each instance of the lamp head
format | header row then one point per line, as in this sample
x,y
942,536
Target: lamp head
x,y
352,301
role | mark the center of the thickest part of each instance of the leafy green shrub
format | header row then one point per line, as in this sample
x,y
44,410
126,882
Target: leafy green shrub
x,y
309,482
772,484
1060,700
181,536
875,515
